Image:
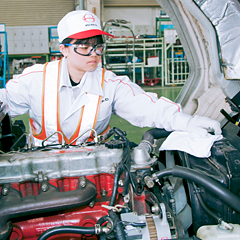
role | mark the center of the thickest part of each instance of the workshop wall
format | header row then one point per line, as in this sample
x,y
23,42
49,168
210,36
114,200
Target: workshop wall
x,y
32,13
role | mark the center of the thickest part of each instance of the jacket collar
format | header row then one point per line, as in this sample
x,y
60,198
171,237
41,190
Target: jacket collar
x,y
90,82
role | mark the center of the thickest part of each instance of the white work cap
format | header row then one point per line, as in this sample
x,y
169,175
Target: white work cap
x,y
79,24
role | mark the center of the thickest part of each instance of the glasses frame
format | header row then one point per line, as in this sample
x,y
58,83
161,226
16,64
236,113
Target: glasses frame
x,y
94,48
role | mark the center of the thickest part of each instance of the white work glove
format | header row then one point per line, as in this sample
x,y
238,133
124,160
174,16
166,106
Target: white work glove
x,y
202,125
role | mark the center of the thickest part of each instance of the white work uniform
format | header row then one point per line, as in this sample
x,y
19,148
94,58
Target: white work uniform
x,y
119,96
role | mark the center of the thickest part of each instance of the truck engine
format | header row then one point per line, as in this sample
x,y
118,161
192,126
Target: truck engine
x,y
112,188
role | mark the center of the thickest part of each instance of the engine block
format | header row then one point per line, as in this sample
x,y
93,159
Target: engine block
x,y
53,164
45,188
47,182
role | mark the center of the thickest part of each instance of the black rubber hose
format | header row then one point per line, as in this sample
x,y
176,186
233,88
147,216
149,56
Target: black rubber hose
x,y
109,134
118,229
208,183
66,229
104,220
155,133
134,181
119,168
120,133
126,184
117,175
164,173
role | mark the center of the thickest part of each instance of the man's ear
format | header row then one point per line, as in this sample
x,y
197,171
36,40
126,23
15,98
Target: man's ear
x,y
63,50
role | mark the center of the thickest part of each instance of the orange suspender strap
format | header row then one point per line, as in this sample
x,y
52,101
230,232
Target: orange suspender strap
x,y
76,133
96,115
42,135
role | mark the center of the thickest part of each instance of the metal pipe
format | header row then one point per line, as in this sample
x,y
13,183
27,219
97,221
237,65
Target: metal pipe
x,y
81,4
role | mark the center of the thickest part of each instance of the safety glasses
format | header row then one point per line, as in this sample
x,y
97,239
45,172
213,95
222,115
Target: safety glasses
x,y
85,49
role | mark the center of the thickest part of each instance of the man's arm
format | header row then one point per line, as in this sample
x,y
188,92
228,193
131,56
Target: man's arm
x,y
146,110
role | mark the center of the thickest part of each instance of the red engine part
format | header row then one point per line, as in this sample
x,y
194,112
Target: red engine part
x,y
31,229
103,182
84,216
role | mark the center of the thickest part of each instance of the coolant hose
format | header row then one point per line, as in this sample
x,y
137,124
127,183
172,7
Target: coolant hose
x,y
208,183
67,229
155,133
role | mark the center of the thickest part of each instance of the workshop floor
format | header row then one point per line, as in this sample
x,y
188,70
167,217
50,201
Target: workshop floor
x,y
134,134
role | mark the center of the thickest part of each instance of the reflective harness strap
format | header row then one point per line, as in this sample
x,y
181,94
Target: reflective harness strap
x,y
51,110
38,137
88,118
91,137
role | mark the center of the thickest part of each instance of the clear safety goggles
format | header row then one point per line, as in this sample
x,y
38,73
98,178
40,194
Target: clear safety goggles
x,y
86,49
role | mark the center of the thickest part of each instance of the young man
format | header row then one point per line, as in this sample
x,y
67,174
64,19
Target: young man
x,y
74,95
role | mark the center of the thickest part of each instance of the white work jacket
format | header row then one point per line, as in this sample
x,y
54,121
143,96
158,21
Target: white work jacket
x,y
50,128
118,96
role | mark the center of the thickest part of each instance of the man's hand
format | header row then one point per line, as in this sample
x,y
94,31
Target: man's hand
x,y
202,125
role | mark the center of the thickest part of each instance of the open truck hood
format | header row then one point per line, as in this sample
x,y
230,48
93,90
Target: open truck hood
x,y
209,31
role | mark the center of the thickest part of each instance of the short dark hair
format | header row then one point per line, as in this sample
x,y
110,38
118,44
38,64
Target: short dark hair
x,y
92,40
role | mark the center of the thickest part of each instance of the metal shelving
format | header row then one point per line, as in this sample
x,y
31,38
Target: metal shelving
x,y
176,64
125,56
